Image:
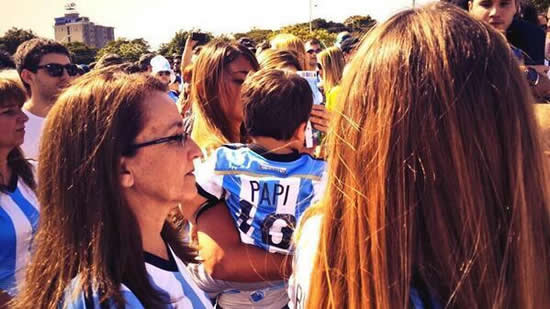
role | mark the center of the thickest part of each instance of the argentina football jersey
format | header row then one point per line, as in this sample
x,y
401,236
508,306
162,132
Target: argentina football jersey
x,y
266,193
169,277
19,214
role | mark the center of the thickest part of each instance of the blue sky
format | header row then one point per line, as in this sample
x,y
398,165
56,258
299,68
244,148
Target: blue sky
x,y
158,20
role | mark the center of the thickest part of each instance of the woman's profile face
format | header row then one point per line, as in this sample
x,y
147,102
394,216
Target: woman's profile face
x,y
163,172
498,13
12,125
234,76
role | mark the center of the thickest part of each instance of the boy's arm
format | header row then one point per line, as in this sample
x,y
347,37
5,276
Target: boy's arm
x,y
227,258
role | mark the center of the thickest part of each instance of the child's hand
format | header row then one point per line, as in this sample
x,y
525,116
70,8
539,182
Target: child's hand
x,y
320,117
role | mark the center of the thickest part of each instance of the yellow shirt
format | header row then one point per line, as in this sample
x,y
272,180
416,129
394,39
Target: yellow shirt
x,y
332,97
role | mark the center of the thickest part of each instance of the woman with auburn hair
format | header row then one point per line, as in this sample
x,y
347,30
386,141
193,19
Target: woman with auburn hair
x,y
330,65
437,194
218,73
19,209
115,162
290,42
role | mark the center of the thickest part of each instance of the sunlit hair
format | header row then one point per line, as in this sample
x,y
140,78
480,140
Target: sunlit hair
x,y
209,92
435,173
332,63
87,229
542,114
12,93
279,59
287,41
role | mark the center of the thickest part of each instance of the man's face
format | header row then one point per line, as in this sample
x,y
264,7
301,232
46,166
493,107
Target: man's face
x,y
43,84
164,77
312,50
498,13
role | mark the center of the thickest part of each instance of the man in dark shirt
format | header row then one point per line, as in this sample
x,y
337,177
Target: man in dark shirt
x,y
524,35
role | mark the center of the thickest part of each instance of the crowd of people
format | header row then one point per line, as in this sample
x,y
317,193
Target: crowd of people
x,y
407,168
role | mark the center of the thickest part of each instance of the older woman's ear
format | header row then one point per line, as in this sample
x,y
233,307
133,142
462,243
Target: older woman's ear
x,y
125,174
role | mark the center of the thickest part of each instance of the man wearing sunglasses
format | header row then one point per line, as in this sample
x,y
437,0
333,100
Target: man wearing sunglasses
x,y
45,68
161,69
313,47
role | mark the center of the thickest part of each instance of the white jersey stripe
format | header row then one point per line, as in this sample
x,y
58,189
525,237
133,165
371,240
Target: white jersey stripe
x,y
23,235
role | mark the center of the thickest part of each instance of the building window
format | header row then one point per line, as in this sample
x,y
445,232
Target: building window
x,y
69,39
68,30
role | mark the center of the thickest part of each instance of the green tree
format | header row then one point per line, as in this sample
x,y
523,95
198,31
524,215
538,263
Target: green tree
x,y
359,23
257,35
177,43
14,37
81,53
129,50
302,31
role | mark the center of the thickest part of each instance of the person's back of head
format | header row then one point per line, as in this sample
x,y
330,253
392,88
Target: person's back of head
x,y
331,64
108,60
436,180
6,61
348,47
529,13
279,59
341,37
290,42
276,103
248,43
145,62
29,53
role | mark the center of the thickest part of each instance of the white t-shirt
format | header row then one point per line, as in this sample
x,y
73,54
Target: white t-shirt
x,y
303,263
33,132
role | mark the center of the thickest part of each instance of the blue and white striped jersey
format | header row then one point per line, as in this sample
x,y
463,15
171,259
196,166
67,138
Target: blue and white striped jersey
x,y
266,193
169,277
19,213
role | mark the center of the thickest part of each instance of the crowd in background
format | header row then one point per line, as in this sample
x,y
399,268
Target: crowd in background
x,y
407,168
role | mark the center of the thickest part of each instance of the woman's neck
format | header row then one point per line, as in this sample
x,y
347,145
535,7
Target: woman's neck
x,y
151,217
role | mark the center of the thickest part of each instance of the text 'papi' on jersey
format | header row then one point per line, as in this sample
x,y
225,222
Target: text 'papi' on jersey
x,y
266,193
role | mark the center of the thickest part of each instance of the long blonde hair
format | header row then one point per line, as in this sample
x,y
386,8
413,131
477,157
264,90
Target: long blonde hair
x,y
435,173
332,63
290,42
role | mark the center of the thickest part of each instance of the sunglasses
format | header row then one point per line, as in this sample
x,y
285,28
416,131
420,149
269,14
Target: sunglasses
x,y
316,51
56,69
163,73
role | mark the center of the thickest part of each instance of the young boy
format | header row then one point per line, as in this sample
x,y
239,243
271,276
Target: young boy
x,y
269,183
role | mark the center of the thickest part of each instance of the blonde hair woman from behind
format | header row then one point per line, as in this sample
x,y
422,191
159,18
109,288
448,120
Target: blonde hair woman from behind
x,y
437,192
330,65
290,42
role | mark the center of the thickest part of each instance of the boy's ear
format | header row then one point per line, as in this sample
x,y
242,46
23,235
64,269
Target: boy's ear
x,y
300,133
